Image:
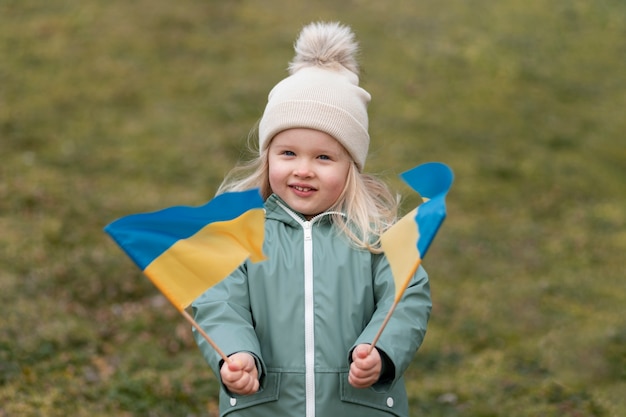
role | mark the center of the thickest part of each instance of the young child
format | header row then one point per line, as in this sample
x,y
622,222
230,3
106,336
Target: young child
x,y
297,327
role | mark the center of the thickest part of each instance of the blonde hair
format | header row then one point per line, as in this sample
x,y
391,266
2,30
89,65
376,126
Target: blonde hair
x,y
363,211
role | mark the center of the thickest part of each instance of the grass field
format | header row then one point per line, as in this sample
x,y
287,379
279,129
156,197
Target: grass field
x,y
109,108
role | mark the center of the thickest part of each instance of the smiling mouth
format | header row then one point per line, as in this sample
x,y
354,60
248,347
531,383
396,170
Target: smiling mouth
x,y
302,189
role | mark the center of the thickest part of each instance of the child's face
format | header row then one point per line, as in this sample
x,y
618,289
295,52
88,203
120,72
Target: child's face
x,y
307,169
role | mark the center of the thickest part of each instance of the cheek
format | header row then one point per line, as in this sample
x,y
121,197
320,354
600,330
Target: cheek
x,y
274,175
338,181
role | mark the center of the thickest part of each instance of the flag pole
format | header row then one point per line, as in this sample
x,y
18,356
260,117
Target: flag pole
x,y
196,326
399,295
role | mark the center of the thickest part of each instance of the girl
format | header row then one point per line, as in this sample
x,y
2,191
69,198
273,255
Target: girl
x,y
298,326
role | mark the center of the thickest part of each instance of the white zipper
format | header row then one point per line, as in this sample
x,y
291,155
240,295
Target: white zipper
x,y
309,321
309,310
309,313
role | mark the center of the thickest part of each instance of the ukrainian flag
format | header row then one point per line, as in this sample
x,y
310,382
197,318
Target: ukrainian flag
x,y
186,250
405,243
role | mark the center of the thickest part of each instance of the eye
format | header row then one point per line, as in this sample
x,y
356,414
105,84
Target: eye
x,y
324,157
288,153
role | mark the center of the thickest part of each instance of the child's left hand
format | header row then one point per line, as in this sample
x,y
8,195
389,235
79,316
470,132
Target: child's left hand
x,y
365,368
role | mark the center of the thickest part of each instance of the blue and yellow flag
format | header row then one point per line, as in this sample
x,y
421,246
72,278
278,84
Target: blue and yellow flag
x,y
186,250
405,243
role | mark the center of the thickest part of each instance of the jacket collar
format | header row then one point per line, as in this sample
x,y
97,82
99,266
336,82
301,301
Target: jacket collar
x,y
277,209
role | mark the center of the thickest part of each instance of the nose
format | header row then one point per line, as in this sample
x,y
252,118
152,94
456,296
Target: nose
x,y
303,169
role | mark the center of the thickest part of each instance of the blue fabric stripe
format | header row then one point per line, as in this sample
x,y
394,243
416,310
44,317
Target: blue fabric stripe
x,y
144,237
432,181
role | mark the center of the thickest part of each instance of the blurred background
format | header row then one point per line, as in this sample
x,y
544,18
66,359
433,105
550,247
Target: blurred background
x,y
109,108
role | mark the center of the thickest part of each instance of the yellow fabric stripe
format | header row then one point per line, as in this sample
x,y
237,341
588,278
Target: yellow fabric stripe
x,y
193,265
399,243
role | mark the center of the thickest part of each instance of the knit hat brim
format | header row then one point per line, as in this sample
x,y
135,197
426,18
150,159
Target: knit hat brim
x,y
327,100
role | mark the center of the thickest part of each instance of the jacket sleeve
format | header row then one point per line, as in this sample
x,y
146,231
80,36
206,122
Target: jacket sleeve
x,y
406,329
223,312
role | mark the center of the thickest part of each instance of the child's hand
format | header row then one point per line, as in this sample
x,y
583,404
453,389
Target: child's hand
x,y
365,368
240,375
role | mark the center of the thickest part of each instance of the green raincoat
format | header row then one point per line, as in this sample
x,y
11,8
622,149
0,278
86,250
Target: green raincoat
x,y
302,311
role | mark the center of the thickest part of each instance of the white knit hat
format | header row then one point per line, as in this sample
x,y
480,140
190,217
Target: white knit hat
x,y
322,91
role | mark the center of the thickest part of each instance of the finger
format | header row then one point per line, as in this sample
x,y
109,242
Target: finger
x,y
235,365
253,385
360,382
247,385
230,377
359,371
362,351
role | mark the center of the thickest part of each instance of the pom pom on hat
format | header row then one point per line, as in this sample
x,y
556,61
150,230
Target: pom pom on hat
x,y
322,91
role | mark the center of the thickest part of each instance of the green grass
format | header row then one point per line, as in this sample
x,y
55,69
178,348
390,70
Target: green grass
x,y
112,108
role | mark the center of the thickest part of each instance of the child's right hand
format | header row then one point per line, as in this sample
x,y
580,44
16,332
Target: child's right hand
x,y
240,375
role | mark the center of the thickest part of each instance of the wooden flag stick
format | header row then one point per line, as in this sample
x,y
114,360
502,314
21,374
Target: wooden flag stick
x,y
205,335
399,295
